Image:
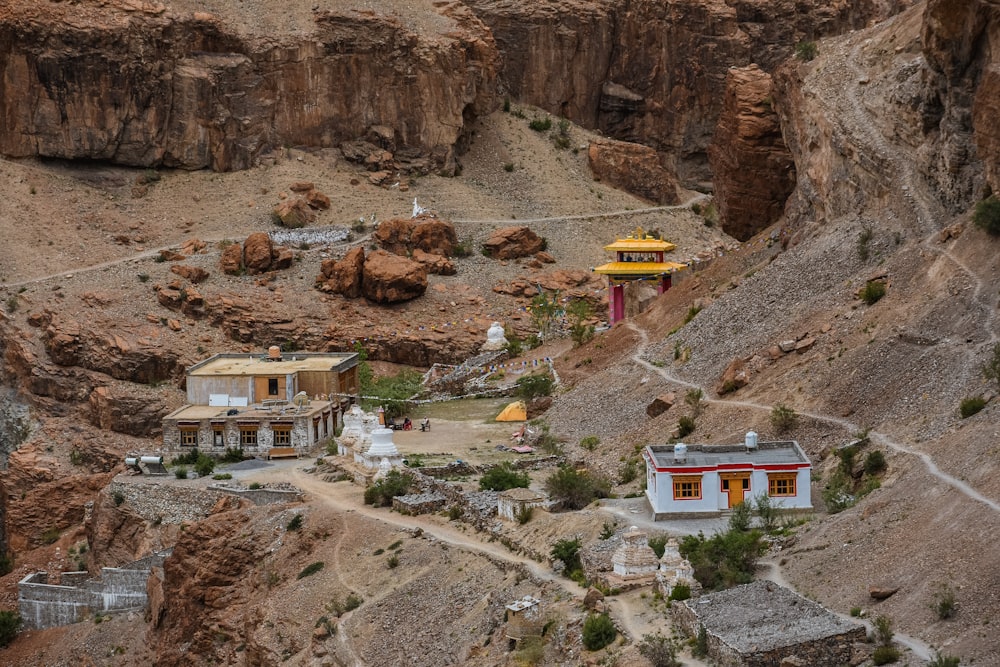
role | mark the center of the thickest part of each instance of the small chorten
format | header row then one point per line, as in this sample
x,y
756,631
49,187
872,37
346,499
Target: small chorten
x,y
634,558
495,338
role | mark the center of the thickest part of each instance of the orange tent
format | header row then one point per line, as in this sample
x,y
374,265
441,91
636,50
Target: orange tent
x,y
514,412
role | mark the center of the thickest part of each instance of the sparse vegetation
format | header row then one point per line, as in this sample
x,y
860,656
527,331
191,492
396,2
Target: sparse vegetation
x,y
568,551
579,311
806,51
629,471
503,477
659,650
971,405
540,124
392,562
872,292
310,569
51,535
693,399
544,310
987,215
393,392
874,462
10,623
943,661
865,237
944,605
118,497
590,442
395,483
524,514
222,475
295,523
575,488
885,652
783,418
532,386
692,311
991,368
598,632
233,455
685,426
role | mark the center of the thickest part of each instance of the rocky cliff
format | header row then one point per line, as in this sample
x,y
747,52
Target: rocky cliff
x,y
147,84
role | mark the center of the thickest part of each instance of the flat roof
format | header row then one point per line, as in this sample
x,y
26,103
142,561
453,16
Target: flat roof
x,y
638,268
260,364
762,615
255,412
786,452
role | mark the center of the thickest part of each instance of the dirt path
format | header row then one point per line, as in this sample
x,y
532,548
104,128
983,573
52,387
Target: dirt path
x,y
594,216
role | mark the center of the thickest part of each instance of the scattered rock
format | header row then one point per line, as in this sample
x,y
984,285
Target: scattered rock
x,y
513,242
661,404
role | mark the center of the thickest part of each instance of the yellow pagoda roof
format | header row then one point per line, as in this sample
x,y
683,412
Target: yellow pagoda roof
x,y
639,241
638,268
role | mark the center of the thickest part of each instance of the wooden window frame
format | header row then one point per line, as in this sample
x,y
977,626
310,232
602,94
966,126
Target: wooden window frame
x,y
246,429
789,480
189,436
283,431
678,483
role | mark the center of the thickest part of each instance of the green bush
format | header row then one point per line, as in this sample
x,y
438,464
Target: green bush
x,y
233,455
991,368
693,398
503,477
884,655
628,472
970,406
685,426
806,51
395,483
837,494
680,592
222,475
352,602
310,569
874,462
10,623
254,486
532,386
944,605
873,291
524,514
204,466
658,543
659,650
724,560
540,124
575,488
598,632
118,497
783,418
864,238
392,562
590,442
700,648
568,551
579,311
181,472
295,523
987,215
943,661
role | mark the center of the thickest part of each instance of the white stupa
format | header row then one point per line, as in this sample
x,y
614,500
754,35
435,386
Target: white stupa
x,y
495,339
382,451
352,432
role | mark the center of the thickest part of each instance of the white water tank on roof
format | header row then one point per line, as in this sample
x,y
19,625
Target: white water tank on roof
x,y
751,440
680,452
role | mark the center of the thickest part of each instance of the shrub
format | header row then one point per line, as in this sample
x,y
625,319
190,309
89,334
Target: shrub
x,y
575,488
598,632
180,472
659,650
205,465
874,462
943,661
855,612
590,442
6,563
970,406
393,392
395,483
693,398
233,455
872,292
532,386
987,215
50,536
310,569
607,530
837,493
725,559
254,486
352,602
10,623
75,457
680,592
628,472
884,655
222,475
728,387
295,523
568,551
864,238
503,477
530,651
579,311
540,124
991,368
392,562
685,426
883,630
700,648
658,543
767,510
692,311
783,418
12,304
118,497
944,602
508,166
806,51
524,514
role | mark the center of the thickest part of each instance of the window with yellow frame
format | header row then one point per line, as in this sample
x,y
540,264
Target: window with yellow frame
x,y
781,484
189,436
687,487
282,435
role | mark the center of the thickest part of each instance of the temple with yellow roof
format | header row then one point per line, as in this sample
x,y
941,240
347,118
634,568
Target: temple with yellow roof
x,y
638,257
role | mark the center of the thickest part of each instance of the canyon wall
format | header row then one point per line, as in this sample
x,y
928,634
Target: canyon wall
x,y
152,87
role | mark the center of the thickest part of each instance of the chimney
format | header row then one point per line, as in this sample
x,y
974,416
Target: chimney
x,y
274,353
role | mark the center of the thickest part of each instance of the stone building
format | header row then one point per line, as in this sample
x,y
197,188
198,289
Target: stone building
x,y
634,563
706,480
271,404
512,502
762,624
524,618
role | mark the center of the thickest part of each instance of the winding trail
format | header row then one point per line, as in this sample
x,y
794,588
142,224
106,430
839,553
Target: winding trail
x,y
881,438
593,216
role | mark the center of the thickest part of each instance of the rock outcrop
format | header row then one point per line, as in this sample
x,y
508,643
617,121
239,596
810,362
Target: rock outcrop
x,y
257,254
132,412
634,168
343,276
141,84
390,278
513,242
753,169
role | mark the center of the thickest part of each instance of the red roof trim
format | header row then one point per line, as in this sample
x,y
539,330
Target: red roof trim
x,y
727,467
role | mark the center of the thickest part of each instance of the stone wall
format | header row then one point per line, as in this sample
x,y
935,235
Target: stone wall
x,y
262,496
419,503
44,605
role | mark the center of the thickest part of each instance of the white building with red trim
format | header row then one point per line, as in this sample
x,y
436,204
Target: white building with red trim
x,y
706,480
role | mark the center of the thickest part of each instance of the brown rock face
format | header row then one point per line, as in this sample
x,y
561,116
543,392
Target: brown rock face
x,y
754,171
195,274
391,279
138,85
343,277
257,251
294,213
124,412
633,168
123,354
661,404
393,235
231,260
513,242
436,264
434,236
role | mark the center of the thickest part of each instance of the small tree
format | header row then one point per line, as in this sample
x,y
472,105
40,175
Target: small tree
x,y
783,418
598,632
503,477
987,215
532,386
767,511
659,650
567,551
579,311
575,488
10,623
693,398
544,311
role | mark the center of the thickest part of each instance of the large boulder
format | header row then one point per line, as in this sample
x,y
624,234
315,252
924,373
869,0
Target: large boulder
x,y
437,264
434,236
513,242
753,168
634,168
393,235
294,213
231,259
257,252
344,276
391,278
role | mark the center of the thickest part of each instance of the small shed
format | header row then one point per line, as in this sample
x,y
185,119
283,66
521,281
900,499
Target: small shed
x,y
512,502
524,618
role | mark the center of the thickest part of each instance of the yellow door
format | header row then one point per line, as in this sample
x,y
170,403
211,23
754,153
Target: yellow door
x,y
736,483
